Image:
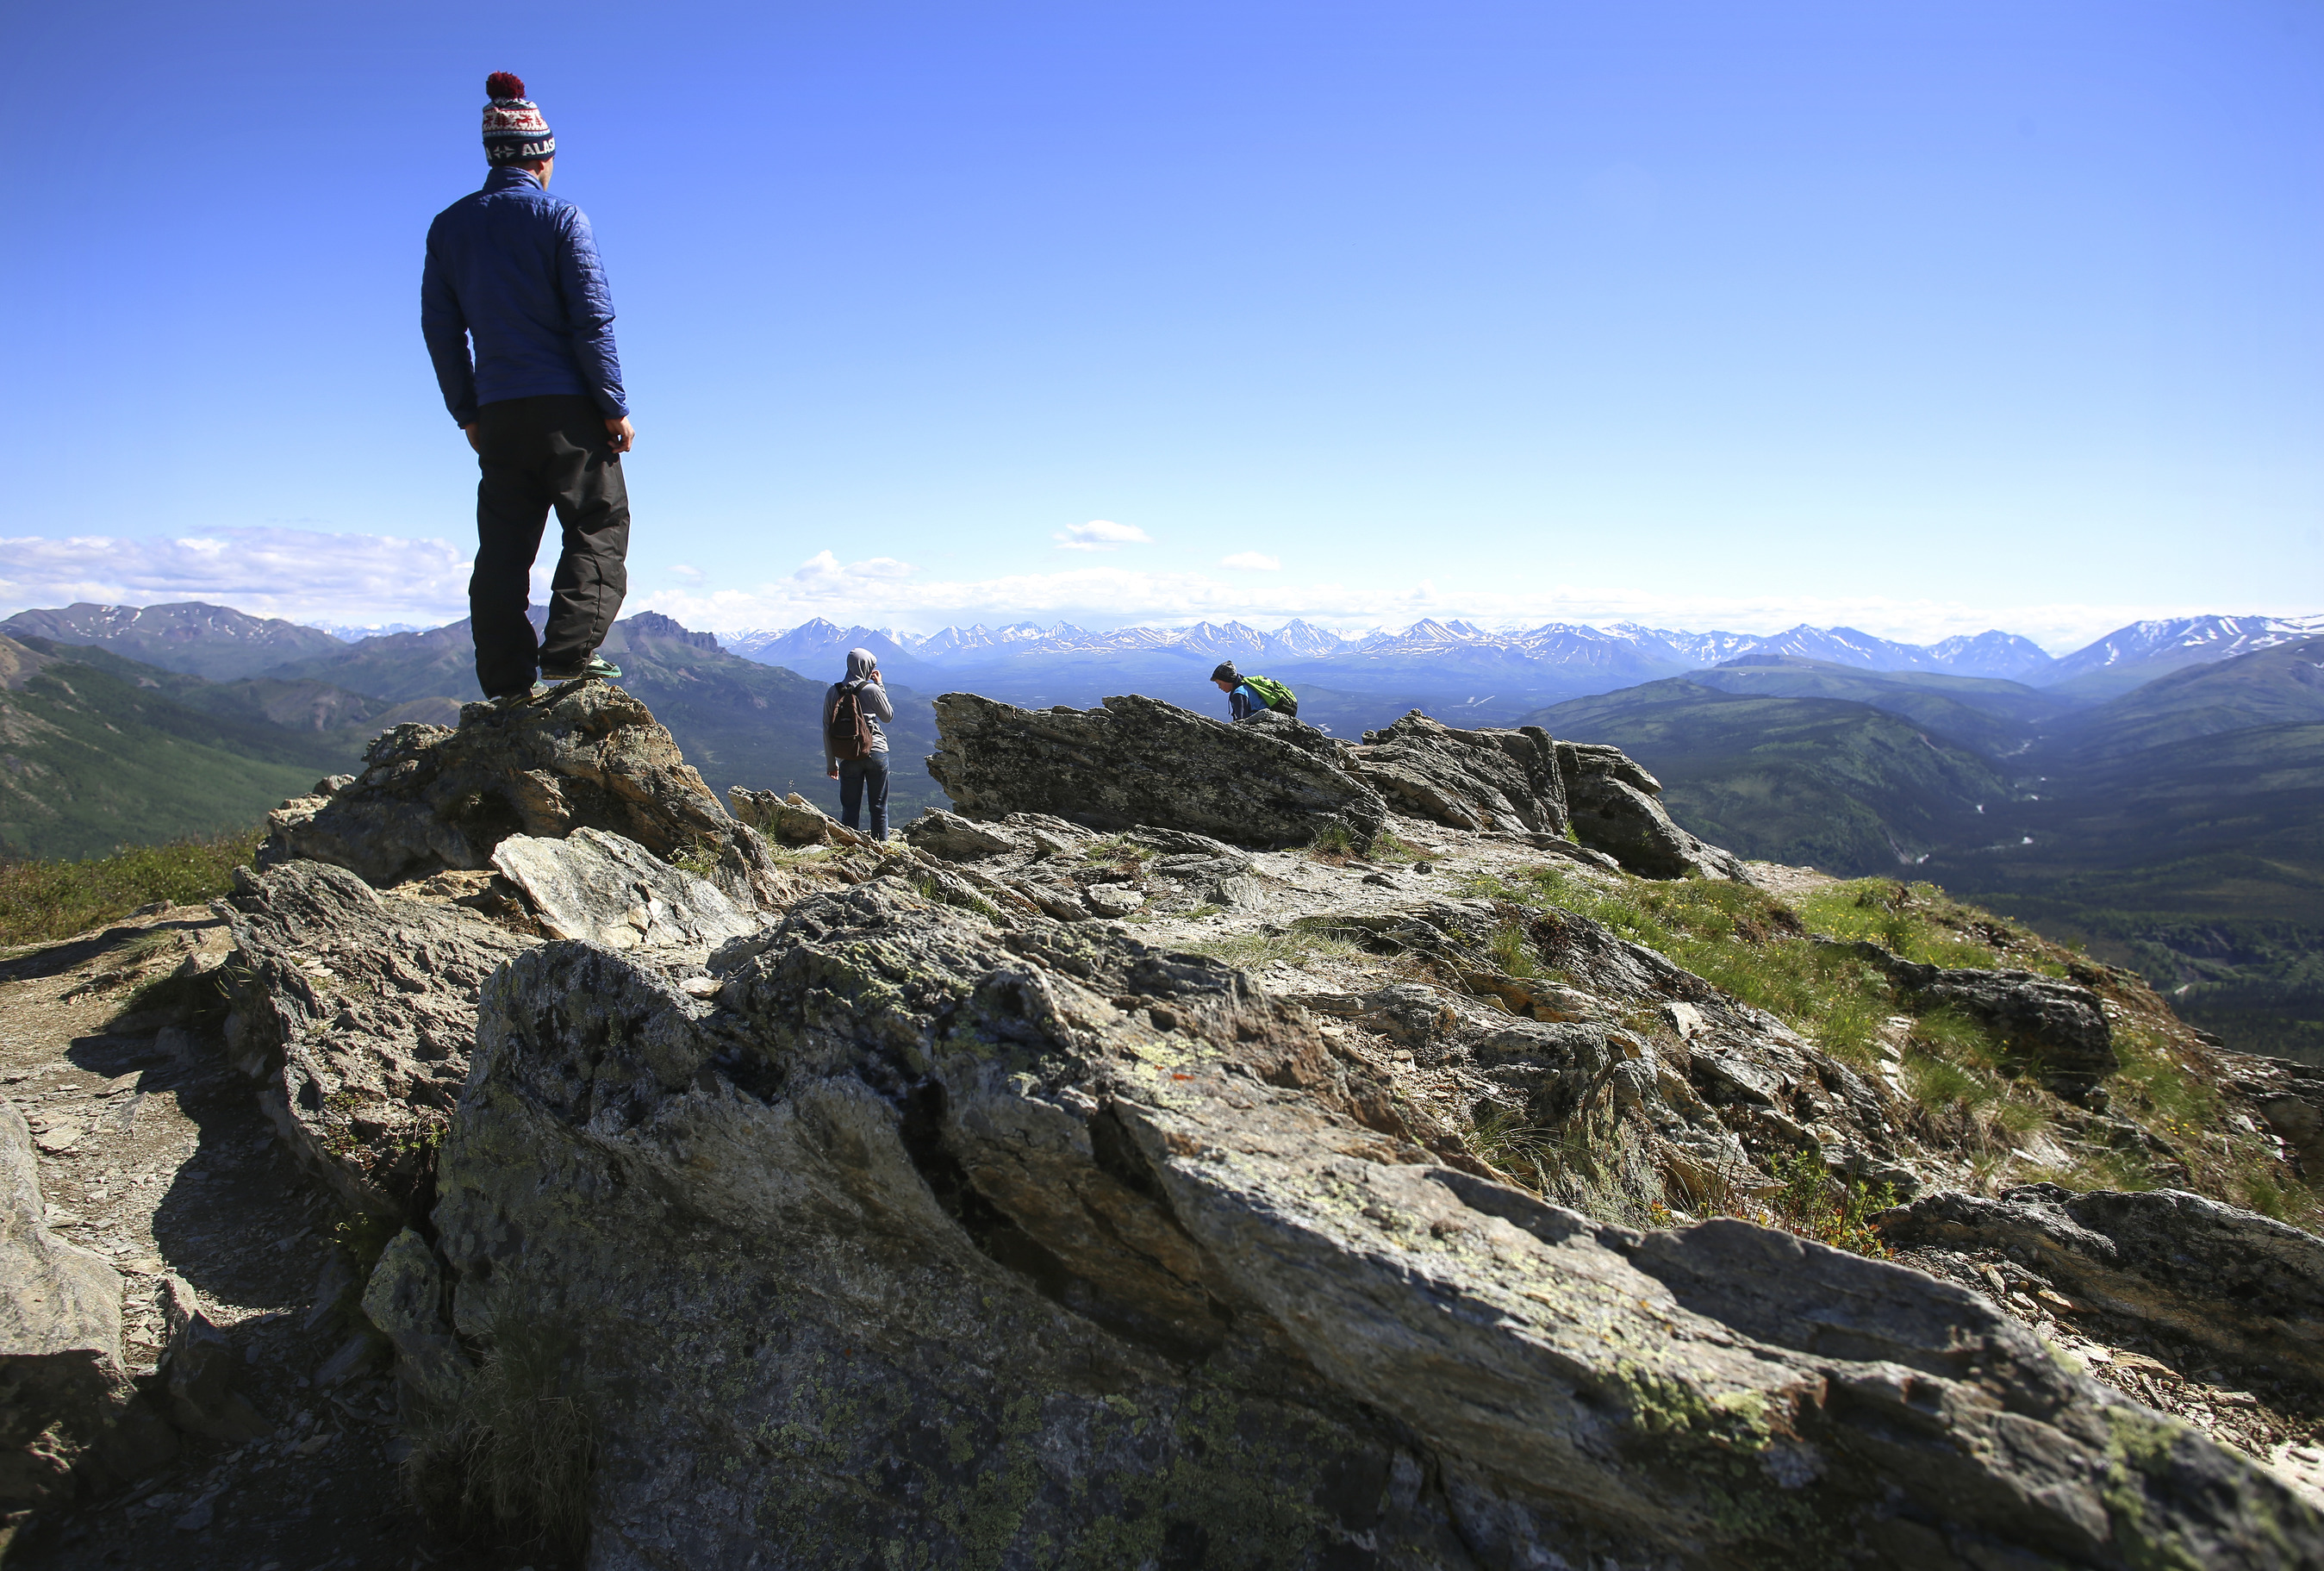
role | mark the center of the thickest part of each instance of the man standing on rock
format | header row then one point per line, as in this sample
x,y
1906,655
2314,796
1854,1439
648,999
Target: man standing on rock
x,y
516,270
854,748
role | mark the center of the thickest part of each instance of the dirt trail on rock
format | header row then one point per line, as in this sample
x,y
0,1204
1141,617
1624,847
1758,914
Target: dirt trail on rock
x,y
153,1152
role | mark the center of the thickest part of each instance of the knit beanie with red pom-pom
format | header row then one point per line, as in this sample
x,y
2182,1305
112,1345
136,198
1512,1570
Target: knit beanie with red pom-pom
x,y
514,132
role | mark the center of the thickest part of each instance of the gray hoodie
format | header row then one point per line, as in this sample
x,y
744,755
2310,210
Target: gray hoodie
x,y
876,706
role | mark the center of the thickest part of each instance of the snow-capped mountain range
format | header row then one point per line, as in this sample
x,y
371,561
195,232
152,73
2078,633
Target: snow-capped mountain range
x,y
1554,656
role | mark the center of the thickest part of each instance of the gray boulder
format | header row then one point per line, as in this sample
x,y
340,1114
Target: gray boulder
x,y
67,1406
584,755
1495,779
929,1245
355,1014
2054,1028
1269,781
1613,809
608,889
2246,1286
2288,1096
200,1374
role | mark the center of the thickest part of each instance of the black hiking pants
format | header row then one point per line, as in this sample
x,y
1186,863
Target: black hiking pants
x,y
536,454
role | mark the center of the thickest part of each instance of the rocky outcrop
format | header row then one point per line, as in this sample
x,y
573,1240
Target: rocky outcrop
x,y
2290,1096
67,1406
611,890
1465,779
356,1013
1613,807
1268,782
927,1242
2248,1286
584,755
1707,1102
2054,1030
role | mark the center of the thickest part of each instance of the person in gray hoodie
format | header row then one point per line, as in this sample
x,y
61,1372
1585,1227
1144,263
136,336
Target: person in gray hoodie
x,y
860,777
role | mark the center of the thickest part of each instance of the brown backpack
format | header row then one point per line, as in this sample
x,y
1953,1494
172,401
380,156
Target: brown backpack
x,y
846,729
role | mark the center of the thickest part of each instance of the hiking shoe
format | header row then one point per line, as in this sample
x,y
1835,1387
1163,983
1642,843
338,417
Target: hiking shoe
x,y
597,665
511,700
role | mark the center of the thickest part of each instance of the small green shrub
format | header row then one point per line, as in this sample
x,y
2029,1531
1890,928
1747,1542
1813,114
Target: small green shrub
x,y
1512,951
507,1464
1815,1205
42,902
700,860
1333,844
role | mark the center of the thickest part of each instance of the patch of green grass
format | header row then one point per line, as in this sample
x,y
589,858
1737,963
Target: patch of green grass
x,y
1505,1139
1333,844
1921,923
1513,952
1296,946
1115,850
42,902
1738,938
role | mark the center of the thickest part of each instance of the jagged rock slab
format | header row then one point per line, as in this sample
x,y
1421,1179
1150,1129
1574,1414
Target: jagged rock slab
x,y
609,890
1138,761
928,1244
585,755
355,1014
1613,809
1493,779
66,1400
789,818
2247,1286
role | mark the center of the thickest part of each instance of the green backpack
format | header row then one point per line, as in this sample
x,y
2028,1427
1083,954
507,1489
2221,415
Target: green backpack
x,y
1279,699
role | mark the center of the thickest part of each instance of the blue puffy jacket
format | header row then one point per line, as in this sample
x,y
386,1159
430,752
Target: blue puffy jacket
x,y
516,269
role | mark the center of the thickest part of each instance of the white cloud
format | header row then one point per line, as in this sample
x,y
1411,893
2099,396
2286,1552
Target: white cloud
x,y
1101,535
1254,561
303,575
691,574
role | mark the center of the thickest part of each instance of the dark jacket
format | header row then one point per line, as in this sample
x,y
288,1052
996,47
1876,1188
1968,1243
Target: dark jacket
x,y
516,270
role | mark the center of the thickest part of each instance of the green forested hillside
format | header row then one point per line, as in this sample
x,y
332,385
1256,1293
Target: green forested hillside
x,y
2283,686
2179,829
1829,782
1993,717
90,759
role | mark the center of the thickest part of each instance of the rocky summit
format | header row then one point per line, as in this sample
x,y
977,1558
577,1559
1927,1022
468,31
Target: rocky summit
x,y
1224,1146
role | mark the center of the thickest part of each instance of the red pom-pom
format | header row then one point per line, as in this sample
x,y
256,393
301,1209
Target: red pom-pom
x,y
504,85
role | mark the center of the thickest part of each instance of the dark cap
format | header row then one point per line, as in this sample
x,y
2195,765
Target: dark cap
x,y
1226,672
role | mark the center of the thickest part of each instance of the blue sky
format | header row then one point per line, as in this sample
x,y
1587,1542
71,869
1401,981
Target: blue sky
x,y
1924,317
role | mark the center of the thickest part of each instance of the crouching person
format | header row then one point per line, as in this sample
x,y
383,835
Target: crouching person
x,y
1248,696
854,748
